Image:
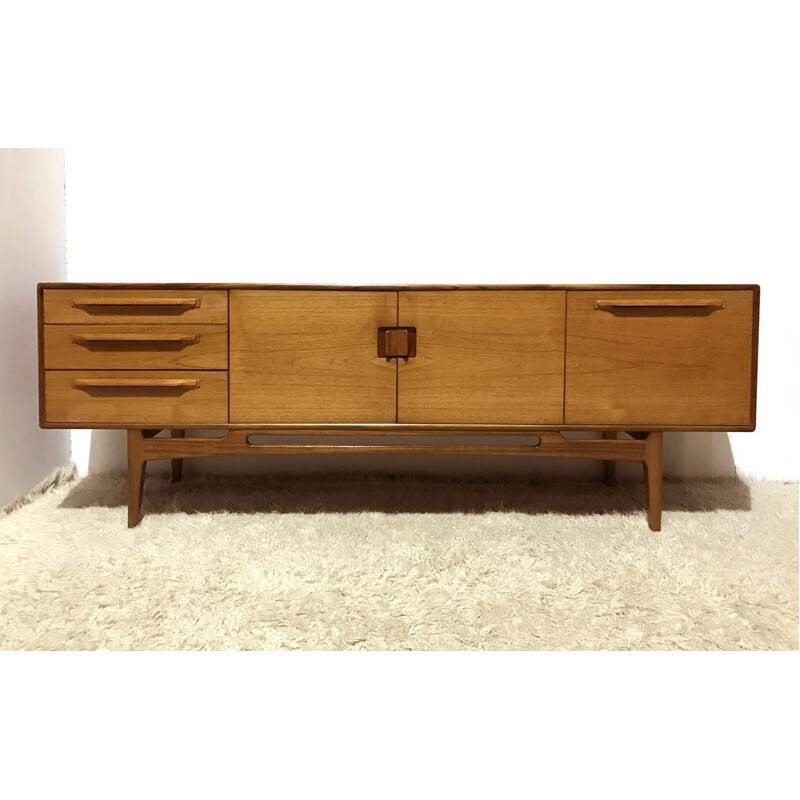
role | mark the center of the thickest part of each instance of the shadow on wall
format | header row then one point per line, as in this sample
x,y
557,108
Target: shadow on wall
x,y
686,455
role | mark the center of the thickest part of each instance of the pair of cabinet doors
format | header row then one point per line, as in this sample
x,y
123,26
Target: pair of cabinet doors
x,y
482,357
489,357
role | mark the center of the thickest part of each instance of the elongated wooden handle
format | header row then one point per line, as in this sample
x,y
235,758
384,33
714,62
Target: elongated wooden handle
x,y
137,383
143,338
610,305
163,302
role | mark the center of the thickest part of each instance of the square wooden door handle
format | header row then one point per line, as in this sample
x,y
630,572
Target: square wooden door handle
x,y
397,343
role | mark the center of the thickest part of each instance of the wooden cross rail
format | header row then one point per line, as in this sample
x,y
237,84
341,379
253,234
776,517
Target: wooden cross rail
x,y
146,445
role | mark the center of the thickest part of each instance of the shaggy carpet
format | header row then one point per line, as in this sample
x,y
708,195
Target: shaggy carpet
x,y
407,563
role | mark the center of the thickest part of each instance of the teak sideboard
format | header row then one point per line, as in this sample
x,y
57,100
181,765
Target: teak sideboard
x,y
400,362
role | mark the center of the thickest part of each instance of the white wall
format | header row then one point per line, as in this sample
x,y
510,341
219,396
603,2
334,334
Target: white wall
x,y
32,249
599,143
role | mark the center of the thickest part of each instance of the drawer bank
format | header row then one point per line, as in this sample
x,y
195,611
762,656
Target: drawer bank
x,y
399,362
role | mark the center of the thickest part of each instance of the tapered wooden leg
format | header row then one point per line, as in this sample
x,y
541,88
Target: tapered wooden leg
x,y
136,470
609,467
652,475
177,463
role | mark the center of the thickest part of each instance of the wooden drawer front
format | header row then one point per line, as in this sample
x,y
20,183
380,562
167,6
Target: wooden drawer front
x,y
660,358
136,346
135,305
119,398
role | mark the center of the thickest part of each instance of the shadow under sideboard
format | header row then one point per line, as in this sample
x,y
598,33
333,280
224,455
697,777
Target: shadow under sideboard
x,y
357,492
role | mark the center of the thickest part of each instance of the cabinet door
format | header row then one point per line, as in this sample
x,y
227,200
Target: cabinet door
x,y
660,358
483,357
310,356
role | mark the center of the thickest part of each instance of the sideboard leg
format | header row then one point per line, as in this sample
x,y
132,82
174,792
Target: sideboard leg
x,y
136,470
609,467
652,476
177,463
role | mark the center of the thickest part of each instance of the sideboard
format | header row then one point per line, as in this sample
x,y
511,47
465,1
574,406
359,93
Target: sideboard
x,y
399,362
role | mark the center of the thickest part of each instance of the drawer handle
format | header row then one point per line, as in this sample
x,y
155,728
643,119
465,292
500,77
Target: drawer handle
x,y
610,305
122,302
137,383
142,338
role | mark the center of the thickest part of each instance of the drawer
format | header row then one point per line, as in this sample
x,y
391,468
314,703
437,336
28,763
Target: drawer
x,y
136,397
136,346
660,358
64,306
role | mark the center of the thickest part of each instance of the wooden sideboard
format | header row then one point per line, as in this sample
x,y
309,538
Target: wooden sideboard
x,y
400,362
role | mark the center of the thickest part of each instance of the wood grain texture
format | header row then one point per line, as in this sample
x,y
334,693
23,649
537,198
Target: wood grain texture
x,y
173,346
136,475
310,357
205,402
397,342
652,465
550,444
483,357
754,356
60,308
659,367
177,463
347,426
40,353
410,287
622,302
399,429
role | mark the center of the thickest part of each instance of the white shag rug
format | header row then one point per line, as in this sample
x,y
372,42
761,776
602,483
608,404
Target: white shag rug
x,y
407,563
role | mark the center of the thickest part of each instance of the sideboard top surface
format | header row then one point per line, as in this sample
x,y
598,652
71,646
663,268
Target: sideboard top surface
x,y
411,287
